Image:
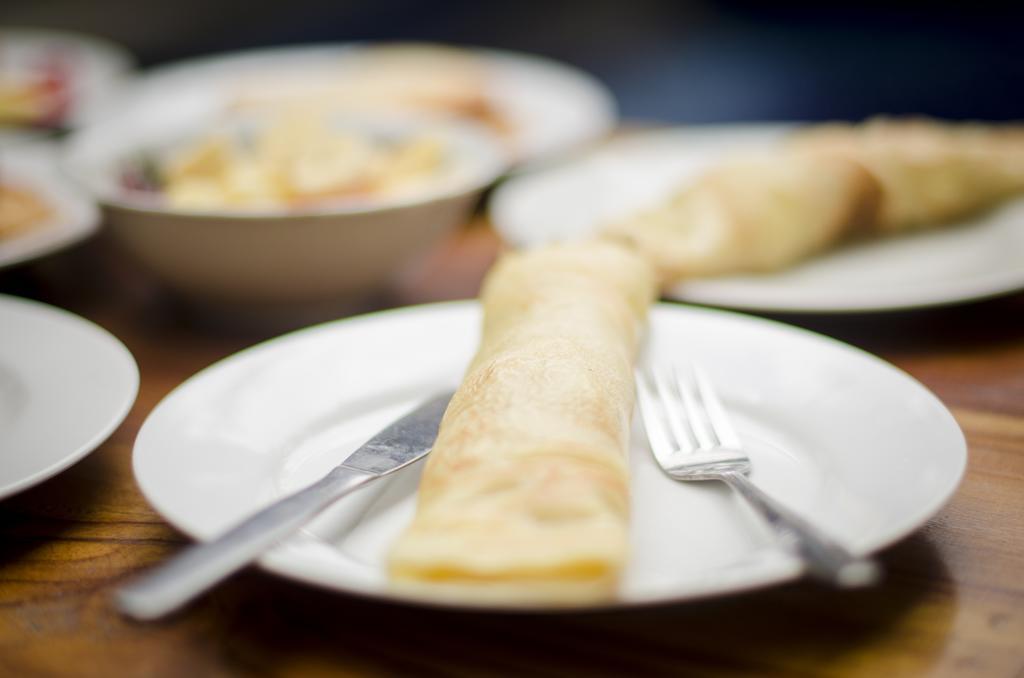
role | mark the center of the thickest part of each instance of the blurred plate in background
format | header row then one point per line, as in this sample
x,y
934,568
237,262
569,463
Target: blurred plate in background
x,y
960,262
54,79
65,215
540,107
65,385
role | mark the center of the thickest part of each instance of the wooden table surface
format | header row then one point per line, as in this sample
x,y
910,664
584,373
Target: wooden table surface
x,y
952,604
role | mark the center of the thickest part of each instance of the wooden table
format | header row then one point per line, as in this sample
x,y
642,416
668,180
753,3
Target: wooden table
x,y
953,602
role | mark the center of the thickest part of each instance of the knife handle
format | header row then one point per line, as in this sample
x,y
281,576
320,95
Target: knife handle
x,y
201,566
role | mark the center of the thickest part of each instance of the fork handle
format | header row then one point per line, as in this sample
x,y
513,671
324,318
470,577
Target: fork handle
x,y
826,559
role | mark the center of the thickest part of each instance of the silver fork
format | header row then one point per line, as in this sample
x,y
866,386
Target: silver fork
x,y
692,439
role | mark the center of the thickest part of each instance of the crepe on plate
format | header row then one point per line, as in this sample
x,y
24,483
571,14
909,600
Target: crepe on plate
x,y
930,172
524,499
21,210
824,185
754,213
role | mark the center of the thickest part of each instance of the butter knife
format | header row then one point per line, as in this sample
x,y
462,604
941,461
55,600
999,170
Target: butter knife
x,y
201,566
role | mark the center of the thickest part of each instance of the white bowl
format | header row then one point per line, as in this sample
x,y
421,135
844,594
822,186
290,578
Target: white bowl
x,y
280,257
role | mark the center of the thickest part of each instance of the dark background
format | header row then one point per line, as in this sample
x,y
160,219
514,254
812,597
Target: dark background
x,y
673,61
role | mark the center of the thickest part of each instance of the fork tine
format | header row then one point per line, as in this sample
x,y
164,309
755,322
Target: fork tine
x,y
651,415
694,417
685,439
725,461
715,412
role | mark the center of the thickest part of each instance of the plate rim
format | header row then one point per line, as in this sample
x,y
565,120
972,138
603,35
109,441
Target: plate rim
x,y
278,562
982,288
116,416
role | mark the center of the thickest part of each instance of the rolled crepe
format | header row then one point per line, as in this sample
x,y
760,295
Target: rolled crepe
x,y
524,498
930,172
823,185
753,213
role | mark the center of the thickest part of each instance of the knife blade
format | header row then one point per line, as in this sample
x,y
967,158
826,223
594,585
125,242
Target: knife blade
x,y
201,566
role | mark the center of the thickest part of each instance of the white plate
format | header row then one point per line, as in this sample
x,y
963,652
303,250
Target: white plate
x,y
96,70
842,436
973,260
552,107
74,216
65,385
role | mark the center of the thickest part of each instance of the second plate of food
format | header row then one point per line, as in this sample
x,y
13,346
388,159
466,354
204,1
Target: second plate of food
x,y
958,262
52,79
834,432
40,210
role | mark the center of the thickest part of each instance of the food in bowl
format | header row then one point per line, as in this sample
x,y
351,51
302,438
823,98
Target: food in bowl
x,y
298,159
